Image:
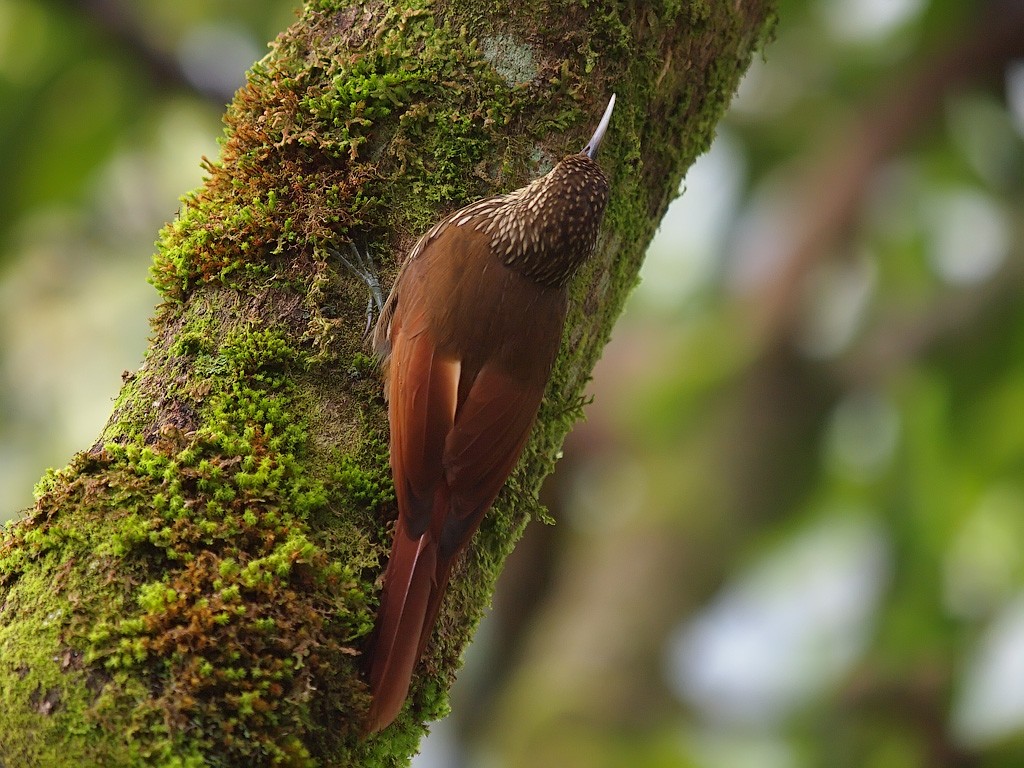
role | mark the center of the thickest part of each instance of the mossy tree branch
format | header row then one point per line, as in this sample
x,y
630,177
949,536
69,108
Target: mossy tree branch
x,y
195,588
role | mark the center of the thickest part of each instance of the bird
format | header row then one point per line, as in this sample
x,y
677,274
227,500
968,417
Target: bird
x,y
467,339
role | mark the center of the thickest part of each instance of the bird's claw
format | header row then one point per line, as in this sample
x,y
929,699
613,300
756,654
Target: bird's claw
x,y
362,266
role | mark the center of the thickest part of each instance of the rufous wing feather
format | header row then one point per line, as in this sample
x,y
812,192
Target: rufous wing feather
x,y
490,430
491,427
422,395
403,610
482,446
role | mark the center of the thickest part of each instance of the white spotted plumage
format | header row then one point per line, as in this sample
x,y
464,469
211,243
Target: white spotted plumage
x,y
545,229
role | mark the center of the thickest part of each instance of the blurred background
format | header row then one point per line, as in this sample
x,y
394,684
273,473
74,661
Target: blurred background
x,y
791,530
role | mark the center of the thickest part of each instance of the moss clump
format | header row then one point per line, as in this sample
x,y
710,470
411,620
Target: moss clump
x,y
319,156
250,611
242,643
253,612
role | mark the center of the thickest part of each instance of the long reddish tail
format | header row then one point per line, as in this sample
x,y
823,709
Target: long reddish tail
x,y
413,587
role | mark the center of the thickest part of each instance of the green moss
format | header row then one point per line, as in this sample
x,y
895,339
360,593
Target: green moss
x,y
378,141
53,582
249,609
315,174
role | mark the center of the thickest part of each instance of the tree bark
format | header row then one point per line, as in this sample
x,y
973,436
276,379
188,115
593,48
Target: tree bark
x,y
196,588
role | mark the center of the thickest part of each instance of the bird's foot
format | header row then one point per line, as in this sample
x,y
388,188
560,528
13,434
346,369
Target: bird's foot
x,y
362,265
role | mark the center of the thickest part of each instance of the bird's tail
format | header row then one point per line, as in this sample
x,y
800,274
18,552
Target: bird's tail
x,y
414,584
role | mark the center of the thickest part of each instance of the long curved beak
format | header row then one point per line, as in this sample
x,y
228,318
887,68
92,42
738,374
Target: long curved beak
x,y
595,141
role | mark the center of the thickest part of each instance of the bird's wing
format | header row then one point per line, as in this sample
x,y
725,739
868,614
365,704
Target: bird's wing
x,y
423,390
491,427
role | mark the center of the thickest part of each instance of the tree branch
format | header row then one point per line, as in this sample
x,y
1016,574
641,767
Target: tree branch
x,y
830,197
122,25
195,588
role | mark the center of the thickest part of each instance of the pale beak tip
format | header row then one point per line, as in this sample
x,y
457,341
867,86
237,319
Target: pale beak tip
x,y
595,141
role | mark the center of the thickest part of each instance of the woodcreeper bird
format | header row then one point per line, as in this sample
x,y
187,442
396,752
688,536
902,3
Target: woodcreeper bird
x,y
467,338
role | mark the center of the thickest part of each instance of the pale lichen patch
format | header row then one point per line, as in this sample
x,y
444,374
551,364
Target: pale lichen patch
x,y
511,59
